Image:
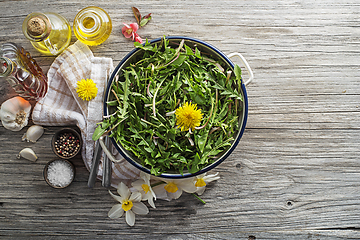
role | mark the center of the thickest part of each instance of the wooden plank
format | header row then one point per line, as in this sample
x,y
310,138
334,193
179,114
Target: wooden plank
x,y
295,173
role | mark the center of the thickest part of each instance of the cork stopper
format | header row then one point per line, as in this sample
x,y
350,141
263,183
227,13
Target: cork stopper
x,y
38,26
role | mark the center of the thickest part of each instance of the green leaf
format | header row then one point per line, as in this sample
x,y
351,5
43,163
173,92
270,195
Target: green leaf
x,y
158,155
171,133
145,47
155,171
195,164
143,142
189,51
166,155
228,92
154,153
144,21
126,94
102,128
237,71
138,45
149,150
177,145
198,98
99,131
179,60
112,103
197,53
201,140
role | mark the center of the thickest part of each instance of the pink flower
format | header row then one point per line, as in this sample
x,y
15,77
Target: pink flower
x,y
130,31
138,38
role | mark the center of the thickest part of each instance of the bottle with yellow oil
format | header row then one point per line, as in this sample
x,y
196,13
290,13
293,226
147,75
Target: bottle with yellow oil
x,y
49,33
92,25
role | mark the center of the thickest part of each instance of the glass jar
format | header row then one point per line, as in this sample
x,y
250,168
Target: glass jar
x,y
49,32
22,72
92,25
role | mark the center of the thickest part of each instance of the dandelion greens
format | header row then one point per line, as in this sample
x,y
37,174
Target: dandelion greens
x,y
148,95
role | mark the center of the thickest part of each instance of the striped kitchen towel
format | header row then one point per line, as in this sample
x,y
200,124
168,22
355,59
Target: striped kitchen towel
x,y
61,106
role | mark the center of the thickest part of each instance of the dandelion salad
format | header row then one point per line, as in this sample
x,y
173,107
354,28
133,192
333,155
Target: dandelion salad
x,y
175,108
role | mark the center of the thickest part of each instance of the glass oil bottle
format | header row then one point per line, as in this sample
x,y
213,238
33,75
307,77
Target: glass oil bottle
x,y
92,25
22,72
49,33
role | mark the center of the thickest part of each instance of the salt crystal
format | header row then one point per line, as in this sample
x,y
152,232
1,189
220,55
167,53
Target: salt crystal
x,y
60,173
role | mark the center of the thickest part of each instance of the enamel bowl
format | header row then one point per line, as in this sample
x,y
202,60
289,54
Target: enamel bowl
x,y
205,49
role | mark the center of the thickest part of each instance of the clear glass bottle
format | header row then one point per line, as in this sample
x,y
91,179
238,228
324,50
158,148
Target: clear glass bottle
x,y
49,33
92,25
22,72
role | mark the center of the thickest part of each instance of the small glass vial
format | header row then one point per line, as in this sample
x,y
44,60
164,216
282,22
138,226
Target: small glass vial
x,y
49,33
22,72
92,25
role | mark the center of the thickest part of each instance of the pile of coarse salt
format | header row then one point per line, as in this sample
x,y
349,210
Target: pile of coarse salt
x,y
60,173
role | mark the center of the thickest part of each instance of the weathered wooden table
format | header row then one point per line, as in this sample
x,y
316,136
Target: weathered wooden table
x,y
295,173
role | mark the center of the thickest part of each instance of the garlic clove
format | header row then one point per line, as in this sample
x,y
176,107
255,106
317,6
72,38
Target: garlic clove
x,y
28,154
33,133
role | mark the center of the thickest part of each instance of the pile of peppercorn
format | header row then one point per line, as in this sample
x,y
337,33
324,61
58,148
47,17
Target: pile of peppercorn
x,y
67,145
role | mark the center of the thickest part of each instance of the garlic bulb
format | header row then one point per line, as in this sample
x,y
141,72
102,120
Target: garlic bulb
x,y
33,133
14,113
28,154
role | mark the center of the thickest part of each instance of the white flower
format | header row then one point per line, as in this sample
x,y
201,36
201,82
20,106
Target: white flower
x,y
143,186
129,203
172,189
202,180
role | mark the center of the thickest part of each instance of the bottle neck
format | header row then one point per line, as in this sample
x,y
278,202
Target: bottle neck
x,y
6,66
36,27
88,23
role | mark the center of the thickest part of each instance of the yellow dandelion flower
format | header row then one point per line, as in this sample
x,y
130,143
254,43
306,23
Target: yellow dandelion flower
x,y
86,89
188,116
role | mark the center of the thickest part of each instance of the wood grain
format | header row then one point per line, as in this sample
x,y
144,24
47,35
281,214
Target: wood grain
x,y
295,173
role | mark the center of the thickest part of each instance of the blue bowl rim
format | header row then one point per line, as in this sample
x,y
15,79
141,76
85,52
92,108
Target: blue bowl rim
x,y
207,168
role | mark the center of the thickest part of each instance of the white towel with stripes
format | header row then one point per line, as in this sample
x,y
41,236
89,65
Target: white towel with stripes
x,y
61,106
